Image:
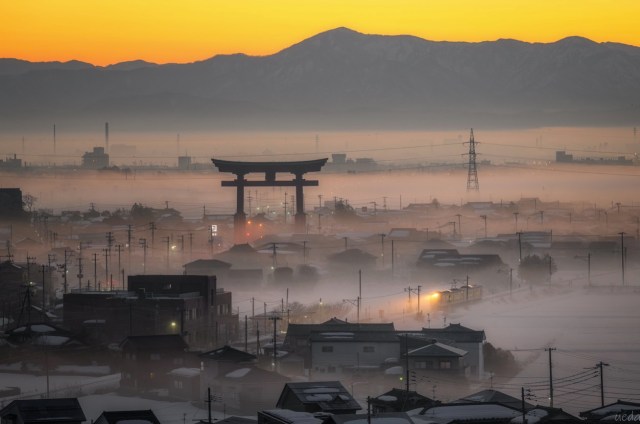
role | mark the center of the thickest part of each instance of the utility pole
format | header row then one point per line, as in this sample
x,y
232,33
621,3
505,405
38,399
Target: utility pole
x,y
359,293
600,365
143,243
208,401
417,292
95,272
622,254
67,254
382,236
80,272
406,361
358,300
168,240
524,413
484,217
459,225
393,260
285,207
120,269
519,246
274,318
107,253
153,228
44,291
515,215
550,349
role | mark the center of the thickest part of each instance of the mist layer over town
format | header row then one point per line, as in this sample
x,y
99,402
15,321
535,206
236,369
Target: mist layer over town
x,y
391,230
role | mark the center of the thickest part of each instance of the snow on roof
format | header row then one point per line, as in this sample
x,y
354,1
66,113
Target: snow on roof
x,y
239,373
387,398
531,417
320,397
42,328
185,372
51,340
397,370
320,389
468,411
134,421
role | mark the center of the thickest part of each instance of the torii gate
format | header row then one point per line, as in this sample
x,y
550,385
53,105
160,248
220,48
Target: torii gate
x,y
270,169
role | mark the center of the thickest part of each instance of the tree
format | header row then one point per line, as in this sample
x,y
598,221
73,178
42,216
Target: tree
x,y
29,200
536,269
499,360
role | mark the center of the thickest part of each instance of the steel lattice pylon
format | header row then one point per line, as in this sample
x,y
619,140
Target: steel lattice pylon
x,y
472,176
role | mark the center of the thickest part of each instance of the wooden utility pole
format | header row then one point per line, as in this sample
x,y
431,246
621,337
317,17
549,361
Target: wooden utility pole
x,y
550,349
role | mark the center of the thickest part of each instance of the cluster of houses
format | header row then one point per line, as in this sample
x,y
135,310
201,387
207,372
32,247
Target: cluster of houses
x,y
329,402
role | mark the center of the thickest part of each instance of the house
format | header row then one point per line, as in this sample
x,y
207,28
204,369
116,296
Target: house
x,y
464,338
287,416
184,383
43,411
248,389
298,340
613,411
353,258
451,261
380,418
125,417
235,420
146,360
544,414
223,360
319,396
348,352
494,396
471,413
437,358
399,400
208,267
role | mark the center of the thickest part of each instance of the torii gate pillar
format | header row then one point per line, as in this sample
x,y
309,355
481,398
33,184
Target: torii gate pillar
x,y
270,169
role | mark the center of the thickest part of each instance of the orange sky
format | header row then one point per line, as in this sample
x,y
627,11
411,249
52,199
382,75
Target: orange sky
x,y
109,31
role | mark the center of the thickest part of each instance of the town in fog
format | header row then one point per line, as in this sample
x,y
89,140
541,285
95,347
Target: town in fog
x,y
306,286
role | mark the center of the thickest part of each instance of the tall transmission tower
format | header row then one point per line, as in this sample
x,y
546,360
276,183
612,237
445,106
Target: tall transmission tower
x,y
472,176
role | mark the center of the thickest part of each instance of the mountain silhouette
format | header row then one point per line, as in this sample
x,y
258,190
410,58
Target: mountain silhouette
x,y
339,79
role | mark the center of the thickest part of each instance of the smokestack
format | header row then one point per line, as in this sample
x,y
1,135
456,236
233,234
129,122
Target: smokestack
x,y
106,137
54,139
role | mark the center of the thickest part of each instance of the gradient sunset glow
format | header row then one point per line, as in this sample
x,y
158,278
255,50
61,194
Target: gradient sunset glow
x,y
109,31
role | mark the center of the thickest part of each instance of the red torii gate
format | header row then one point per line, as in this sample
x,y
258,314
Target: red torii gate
x,y
270,169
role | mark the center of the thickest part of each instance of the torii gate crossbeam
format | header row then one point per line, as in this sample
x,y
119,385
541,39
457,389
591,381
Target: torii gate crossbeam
x,y
269,169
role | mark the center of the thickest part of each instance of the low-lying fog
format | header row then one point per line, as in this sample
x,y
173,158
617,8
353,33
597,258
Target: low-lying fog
x,y
586,325
595,186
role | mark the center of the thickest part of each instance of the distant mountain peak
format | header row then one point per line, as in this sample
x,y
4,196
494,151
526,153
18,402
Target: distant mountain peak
x,y
576,41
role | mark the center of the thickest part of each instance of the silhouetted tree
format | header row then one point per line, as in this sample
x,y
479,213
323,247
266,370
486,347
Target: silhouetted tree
x,y
499,361
535,269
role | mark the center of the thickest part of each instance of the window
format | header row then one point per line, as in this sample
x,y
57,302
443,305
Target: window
x,y
177,384
368,349
445,365
421,365
327,349
331,369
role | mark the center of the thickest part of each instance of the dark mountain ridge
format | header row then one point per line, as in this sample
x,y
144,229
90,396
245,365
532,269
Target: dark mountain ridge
x,y
339,79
